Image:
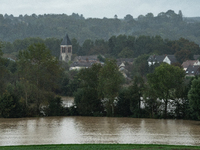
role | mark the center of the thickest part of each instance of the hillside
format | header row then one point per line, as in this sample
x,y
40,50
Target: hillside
x,y
168,25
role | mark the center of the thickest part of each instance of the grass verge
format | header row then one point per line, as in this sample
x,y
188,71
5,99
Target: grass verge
x,y
99,147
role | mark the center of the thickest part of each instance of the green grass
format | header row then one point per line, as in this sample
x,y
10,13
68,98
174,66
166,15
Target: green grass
x,y
100,147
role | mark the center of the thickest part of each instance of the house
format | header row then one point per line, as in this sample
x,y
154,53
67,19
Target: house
x,y
90,58
193,70
155,59
65,49
170,59
124,65
188,63
81,62
80,65
125,60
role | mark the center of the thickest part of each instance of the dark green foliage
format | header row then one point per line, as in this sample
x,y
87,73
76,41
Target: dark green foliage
x,y
140,66
87,102
136,92
55,107
110,81
123,104
166,24
10,106
3,71
166,80
86,98
194,99
39,72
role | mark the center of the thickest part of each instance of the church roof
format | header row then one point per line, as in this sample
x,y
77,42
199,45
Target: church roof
x,y
66,40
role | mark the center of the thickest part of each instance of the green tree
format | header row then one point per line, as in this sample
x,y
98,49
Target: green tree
x,y
55,107
151,103
123,103
140,66
194,99
166,80
10,106
136,92
86,98
110,80
126,53
40,70
3,71
183,55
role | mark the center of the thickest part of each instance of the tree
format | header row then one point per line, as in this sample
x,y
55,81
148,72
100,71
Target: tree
x,y
110,80
128,17
151,103
10,106
194,99
2,72
123,103
38,70
183,55
165,80
136,92
126,53
86,98
141,67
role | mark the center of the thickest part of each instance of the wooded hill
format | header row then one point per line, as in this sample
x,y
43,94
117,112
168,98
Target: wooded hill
x,y
168,25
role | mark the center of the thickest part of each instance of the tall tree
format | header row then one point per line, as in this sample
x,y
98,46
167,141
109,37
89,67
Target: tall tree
x,y
194,98
165,80
40,70
86,98
136,92
3,71
110,80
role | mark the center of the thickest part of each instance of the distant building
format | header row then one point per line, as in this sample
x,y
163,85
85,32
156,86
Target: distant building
x,y
170,59
81,62
90,58
65,49
188,63
192,71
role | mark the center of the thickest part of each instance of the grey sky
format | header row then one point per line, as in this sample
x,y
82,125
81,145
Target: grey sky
x,y
99,8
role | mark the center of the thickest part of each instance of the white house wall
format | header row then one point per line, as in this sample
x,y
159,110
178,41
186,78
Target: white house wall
x,y
167,60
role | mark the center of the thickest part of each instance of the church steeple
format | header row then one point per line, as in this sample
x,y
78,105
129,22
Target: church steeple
x,y
66,49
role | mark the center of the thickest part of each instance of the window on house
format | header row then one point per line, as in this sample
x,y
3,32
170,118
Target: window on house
x,y
186,71
192,71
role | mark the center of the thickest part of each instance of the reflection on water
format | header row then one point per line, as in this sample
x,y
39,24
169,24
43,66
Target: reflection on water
x,y
67,130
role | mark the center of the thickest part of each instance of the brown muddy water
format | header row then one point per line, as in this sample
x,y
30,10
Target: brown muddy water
x,y
79,130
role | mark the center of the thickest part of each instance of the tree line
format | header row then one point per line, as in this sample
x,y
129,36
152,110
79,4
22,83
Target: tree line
x,y
121,46
169,25
30,87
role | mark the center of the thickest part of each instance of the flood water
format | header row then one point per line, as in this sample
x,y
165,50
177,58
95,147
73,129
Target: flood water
x,y
68,130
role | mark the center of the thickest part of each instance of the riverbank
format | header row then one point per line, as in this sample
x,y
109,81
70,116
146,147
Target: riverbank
x,y
100,146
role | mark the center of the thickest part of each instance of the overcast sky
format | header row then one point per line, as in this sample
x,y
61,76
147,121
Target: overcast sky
x,y
99,8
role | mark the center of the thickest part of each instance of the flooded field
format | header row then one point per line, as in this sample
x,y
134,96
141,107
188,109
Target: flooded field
x,y
68,130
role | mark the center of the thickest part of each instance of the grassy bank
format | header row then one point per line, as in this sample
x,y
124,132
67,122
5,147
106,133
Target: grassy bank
x,y
100,147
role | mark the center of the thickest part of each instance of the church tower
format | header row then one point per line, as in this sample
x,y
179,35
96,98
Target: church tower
x,y
66,49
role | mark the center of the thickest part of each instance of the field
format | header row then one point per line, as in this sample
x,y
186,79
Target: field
x,y
100,147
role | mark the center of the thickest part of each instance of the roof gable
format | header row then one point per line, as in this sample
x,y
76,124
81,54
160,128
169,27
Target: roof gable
x,y
187,63
172,58
156,58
